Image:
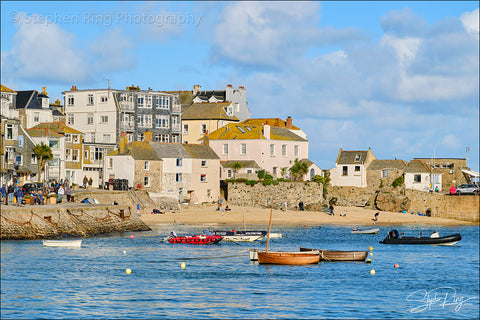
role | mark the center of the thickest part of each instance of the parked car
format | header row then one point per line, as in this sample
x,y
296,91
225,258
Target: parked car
x,y
467,189
28,188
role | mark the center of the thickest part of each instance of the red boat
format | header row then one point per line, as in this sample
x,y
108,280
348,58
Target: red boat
x,y
196,239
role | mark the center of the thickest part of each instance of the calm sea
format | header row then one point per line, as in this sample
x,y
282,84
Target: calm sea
x,y
219,281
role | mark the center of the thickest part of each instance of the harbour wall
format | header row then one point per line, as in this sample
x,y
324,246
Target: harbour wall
x,y
67,220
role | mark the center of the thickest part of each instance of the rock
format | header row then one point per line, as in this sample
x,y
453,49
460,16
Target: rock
x,y
391,200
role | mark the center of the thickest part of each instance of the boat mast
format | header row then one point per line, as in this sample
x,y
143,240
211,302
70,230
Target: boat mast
x,y
269,225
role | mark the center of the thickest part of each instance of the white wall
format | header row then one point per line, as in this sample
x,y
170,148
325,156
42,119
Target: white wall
x,y
123,167
352,179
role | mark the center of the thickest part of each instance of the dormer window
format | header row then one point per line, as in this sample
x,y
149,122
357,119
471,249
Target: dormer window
x,y
241,129
357,158
44,102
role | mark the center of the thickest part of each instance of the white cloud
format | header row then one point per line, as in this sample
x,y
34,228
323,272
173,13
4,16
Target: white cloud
x,y
111,51
470,21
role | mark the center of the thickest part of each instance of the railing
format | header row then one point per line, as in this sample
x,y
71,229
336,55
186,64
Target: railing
x,y
176,128
127,126
126,106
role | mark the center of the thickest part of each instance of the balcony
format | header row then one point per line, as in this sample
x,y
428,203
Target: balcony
x,y
176,108
127,126
127,106
176,128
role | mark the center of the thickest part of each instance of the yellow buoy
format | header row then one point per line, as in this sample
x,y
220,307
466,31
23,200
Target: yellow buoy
x,y
182,265
371,248
372,272
369,261
128,271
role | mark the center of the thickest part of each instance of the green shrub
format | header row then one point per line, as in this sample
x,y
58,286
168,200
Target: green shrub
x,y
251,182
268,177
241,180
283,180
232,181
267,182
261,174
275,182
397,182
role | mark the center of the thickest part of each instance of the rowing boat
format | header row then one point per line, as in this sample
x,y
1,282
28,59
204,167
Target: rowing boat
x,y
365,231
62,243
337,255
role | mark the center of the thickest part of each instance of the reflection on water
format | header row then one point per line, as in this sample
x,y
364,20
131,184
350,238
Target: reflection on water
x,y
219,281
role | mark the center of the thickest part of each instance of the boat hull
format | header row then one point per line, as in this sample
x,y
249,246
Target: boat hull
x,y
240,238
288,258
336,255
369,231
445,241
62,243
247,233
196,239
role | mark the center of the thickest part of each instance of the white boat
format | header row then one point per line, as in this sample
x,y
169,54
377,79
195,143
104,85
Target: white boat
x,y
62,243
366,231
242,238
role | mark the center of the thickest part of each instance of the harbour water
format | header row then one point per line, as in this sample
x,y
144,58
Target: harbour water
x,y
219,281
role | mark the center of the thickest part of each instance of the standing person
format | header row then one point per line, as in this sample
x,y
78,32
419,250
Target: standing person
x,y
286,205
68,192
19,196
220,201
331,210
61,192
10,191
3,191
90,181
85,181
375,218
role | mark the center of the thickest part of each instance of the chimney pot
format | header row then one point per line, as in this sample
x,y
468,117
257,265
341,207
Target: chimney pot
x,y
289,122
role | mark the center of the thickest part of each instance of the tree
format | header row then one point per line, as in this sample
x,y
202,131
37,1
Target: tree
x,y
299,169
43,153
235,166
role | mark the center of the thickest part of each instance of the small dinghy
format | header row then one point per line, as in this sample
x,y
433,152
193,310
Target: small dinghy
x,y
336,255
62,243
394,237
365,231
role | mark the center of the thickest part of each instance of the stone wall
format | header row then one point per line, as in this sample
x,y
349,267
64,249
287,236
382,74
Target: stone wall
x,y
78,220
240,194
351,196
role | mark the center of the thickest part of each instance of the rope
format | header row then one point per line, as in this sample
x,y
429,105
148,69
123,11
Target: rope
x,y
18,223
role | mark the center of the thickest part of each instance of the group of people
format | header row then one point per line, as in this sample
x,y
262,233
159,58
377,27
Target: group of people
x,y
14,195
10,193
87,180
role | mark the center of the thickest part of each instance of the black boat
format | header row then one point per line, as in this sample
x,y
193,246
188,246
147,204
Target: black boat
x,y
394,238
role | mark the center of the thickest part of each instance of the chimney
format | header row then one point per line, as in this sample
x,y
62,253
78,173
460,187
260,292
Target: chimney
x,y
122,143
289,122
229,85
241,87
147,136
57,102
196,89
44,91
266,131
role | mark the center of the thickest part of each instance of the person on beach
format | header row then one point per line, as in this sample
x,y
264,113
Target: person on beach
x,y
227,208
3,191
286,205
19,196
68,192
61,193
375,218
85,181
10,191
331,210
90,181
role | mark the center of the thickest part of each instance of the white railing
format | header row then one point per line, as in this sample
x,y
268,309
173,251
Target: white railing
x,y
127,126
126,105
176,128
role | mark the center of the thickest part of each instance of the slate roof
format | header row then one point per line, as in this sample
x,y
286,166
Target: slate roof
x,y
245,163
170,150
5,89
233,131
138,150
208,111
387,164
43,133
219,94
200,151
273,122
57,127
418,166
29,99
55,112
348,157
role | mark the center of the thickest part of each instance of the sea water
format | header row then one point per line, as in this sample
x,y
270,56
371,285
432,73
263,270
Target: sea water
x,y
219,281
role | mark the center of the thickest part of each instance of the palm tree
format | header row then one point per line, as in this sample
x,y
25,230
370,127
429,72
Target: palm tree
x,y
299,169
43,153
236,165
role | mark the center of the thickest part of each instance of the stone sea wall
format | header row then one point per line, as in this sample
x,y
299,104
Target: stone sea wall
x,y
76,220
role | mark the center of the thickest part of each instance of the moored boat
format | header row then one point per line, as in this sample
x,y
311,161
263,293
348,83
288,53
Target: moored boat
x,y
195,239
337,255
62,243
393,237
288,258
365,231
263,234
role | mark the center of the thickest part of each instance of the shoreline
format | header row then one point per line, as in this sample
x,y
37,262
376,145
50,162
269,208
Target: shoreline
x,y
345,216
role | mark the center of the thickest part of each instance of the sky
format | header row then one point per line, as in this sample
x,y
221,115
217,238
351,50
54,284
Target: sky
x,y
399,77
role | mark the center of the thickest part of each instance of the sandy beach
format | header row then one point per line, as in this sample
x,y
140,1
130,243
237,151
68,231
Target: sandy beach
x,y
256,216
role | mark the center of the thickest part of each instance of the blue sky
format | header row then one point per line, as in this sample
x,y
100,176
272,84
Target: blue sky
x,y
399,77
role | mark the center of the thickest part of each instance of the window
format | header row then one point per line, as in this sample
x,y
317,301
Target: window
x,y
179,162
110,162
180,191
384,173
144,120
90,118
161,121
75,155
274,170
36,116
68,137
106,138
20,141
243,148
248,128
33,159
345,171
241,129
178,177
140,102
92,137
90,100
9,131
75,138
175,139
357,168
104,119
225,149
162,102
98,155
68,154
417,178
71,100
296,151
203,178
146,165
53,144
229,173
357,157
272,150
284,150
185,128
9,153
204,163
148,102
86,155
249,171
103,99
203,128
70,119
146,181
